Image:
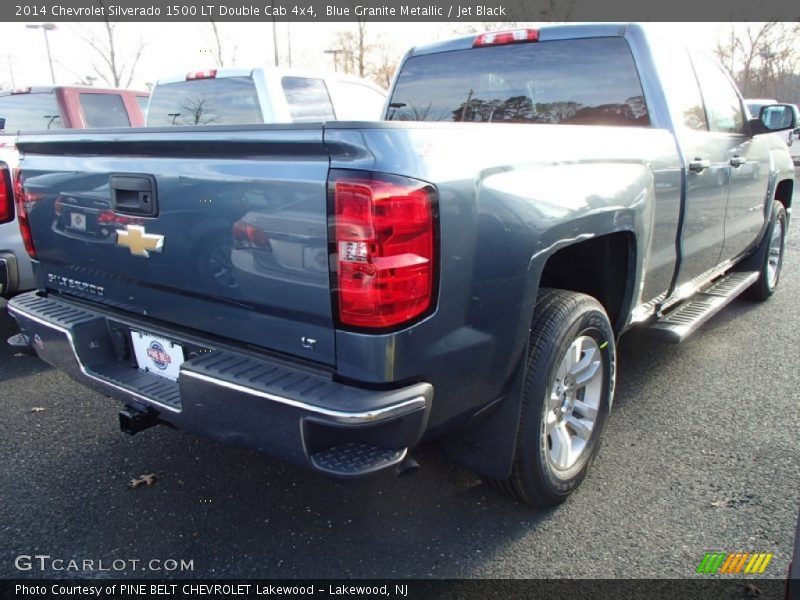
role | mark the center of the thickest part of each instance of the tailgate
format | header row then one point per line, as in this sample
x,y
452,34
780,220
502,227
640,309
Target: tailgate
x,y
219,231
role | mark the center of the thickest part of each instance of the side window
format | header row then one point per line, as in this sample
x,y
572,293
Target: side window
x,y
104,110
680,85
308,99
142,102
722,102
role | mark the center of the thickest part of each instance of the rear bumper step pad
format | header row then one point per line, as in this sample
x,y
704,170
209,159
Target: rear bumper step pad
x,y
266,404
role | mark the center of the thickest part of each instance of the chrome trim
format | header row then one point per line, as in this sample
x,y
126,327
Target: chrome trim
x,y
83,369
369,416
647,309
339,415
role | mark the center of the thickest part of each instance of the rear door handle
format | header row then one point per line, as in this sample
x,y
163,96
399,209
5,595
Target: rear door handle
x,y
698,164
738,161
134,194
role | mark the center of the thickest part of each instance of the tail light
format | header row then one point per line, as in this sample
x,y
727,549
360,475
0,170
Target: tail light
x,y
249,236
501,38
108,217
6,196
385,248
23,205
210,74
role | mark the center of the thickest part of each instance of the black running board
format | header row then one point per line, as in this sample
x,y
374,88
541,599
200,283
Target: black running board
x,y
689,315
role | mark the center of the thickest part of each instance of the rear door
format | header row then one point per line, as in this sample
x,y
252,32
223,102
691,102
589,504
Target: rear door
x,y
705,154
747,158
217,230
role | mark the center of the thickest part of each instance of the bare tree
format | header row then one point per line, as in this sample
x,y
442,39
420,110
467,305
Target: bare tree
x,y
219,50
354,48
382,67
109,66
198,110
762,57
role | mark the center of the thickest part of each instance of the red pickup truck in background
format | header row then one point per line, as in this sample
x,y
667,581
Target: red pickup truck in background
x,y
71,107
49,107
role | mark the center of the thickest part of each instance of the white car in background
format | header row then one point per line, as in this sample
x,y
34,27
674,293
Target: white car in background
x,y
234,96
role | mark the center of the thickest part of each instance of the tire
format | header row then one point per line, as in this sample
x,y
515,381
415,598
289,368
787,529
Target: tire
x,y
770,268
214,266
544,472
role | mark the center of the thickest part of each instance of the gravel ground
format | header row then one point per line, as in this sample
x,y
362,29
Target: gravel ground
x,y
700,454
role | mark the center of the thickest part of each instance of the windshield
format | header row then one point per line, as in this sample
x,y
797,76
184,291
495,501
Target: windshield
x,y
584,81
30,112
217,101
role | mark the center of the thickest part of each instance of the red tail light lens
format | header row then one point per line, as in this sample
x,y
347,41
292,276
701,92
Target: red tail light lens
x,y
108,217
22,212
6,196
501,38
385,234
249,236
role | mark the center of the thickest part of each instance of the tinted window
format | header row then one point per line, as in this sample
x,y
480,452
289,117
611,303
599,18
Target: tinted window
x,y
591,81
30,112
308,99
722,102
104,110
680,83
219,101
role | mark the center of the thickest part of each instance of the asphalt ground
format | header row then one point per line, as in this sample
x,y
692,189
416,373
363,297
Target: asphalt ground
x,y
700,454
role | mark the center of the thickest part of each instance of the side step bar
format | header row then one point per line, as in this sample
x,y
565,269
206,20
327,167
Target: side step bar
x,y
683,321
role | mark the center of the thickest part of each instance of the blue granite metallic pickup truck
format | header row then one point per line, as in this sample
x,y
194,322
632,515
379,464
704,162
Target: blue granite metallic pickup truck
x,y
336,293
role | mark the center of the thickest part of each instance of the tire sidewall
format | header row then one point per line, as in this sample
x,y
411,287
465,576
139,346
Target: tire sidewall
x,y
584,320
778,214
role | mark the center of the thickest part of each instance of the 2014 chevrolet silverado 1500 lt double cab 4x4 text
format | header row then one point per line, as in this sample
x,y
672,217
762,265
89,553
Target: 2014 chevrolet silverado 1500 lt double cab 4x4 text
x,y
396,281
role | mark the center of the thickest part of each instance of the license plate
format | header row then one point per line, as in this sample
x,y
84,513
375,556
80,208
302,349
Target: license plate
x,y
157,355
77,221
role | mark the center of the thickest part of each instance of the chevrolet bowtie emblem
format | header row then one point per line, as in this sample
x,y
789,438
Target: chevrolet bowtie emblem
x,y
138,242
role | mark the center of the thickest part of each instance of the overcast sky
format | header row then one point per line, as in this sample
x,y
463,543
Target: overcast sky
x,y
177,48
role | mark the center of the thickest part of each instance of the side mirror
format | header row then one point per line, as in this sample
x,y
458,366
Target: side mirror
x,y
774,117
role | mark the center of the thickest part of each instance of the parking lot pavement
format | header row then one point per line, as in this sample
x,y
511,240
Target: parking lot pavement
x,y
701,454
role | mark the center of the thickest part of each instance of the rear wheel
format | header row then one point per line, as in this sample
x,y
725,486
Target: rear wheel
x,y
568,392
770,267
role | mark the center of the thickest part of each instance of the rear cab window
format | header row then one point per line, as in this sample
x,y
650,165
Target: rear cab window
x,y
578,81
103,110
210,101
308,99
30,111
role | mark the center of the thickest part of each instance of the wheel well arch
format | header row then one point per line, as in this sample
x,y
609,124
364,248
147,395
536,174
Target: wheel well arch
x,y
602,267
783,193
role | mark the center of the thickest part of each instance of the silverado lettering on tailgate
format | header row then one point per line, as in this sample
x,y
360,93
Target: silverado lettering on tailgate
x,y
74,284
